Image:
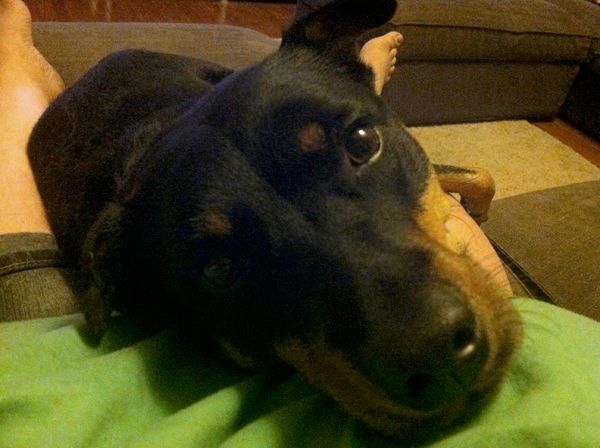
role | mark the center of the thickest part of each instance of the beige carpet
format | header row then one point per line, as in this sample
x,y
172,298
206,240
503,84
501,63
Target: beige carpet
x,y
545,219
521,157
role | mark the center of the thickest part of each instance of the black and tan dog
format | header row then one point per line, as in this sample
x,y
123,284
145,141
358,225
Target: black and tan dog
x,y
286,213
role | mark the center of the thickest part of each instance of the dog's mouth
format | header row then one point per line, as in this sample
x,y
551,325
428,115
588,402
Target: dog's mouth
x,y
404,406
430,387
405,394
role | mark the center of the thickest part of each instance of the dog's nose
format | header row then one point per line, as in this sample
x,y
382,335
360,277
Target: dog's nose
x,y
458,353
434,359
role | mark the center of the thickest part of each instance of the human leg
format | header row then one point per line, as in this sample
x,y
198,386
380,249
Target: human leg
x,y
27,86
32,281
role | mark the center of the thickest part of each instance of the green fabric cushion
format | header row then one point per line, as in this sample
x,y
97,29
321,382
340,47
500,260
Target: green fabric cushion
x,y
58,389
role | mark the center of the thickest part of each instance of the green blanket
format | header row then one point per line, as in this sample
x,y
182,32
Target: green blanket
x,y
58,389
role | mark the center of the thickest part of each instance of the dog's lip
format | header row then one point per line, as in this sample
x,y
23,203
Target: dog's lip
x,y
332,372
425,390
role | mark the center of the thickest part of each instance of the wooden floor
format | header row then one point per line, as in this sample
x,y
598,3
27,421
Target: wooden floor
x,y
268,17
570,136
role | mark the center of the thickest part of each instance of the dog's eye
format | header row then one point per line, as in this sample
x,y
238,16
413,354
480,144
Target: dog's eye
x,y
363,144
219,275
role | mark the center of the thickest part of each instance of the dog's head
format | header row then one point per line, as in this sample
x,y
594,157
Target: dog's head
x,y
295,219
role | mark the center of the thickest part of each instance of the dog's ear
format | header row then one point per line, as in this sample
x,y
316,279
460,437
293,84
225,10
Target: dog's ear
x,y
337,26
101,260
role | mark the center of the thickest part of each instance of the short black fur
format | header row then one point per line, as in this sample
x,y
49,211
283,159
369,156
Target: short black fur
x,y
228,202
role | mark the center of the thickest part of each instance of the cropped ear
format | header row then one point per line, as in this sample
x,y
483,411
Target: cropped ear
x,y
337,25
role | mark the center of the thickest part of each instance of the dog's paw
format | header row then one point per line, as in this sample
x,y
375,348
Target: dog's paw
x,y
96,309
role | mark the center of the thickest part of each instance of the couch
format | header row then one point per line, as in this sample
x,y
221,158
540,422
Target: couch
x,y
478,60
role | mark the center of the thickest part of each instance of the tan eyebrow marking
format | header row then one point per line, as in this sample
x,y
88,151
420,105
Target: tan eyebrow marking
x,y
215,223
312,137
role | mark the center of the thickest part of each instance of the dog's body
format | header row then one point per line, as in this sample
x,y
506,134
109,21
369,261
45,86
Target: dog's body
x,y
285,212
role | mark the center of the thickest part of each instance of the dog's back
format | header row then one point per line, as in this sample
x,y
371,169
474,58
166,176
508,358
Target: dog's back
x,y
119,107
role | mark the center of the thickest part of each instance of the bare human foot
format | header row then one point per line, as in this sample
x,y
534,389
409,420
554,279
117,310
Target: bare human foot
x,y
380,53
28,84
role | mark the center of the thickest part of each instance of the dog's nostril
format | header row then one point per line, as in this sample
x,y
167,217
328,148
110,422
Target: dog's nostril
x,y
465,343
470,351
418,384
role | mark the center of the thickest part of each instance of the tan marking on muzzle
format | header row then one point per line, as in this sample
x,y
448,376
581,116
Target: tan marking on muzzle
x,y
495,314
333,373
215,223
434,210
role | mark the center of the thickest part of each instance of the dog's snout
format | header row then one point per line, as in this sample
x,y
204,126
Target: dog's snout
x,y
434,385
433,359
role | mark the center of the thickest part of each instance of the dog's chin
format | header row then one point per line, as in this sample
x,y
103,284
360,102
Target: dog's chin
x,y
334,374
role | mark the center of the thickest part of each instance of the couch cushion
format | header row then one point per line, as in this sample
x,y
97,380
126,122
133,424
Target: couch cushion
x,y
482,30
73,48
570,17
438,92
